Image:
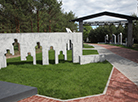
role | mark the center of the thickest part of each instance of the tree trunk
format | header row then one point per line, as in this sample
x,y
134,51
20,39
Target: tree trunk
x,y
17,25
37,21
38,27
2,27
18,47
17,29
11,28
31,26
49,26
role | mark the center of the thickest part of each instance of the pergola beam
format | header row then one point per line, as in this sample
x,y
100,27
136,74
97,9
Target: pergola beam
x,y
129,18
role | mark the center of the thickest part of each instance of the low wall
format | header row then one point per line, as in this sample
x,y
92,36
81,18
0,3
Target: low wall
x,y
85,59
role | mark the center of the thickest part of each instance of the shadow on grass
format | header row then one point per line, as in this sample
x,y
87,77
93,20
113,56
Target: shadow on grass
x,y
37,62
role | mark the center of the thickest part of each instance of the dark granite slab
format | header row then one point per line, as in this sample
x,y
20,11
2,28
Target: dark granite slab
x,y
10,92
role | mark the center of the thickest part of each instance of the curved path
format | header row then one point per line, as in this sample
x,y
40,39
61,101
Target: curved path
x,y
121,86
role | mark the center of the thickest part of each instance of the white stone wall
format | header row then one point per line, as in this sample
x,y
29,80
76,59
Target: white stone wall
x,y
59,42
28,41
85,59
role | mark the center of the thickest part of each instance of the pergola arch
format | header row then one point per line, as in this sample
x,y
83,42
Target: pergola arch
x,y
128,18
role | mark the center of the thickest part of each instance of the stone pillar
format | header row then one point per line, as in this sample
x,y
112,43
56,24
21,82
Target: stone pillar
x,y
87,40
65,54
121,38
69,45
118,38
133,41
129,34
56,57
3,61
106,38
114,38
126,40
45,56
34,57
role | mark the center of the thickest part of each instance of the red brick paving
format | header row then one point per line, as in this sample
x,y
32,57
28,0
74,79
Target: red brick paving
x,y
124,52
120,88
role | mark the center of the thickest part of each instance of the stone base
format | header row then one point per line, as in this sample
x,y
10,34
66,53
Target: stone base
x,y
10,92
85,59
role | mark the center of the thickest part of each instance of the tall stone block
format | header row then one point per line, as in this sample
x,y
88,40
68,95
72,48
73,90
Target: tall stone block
x,y
106,39
120,38
113,38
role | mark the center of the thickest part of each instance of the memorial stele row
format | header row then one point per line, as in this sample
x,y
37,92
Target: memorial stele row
x,y
113,41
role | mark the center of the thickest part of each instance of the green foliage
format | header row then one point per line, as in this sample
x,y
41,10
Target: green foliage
x,y
89,52
86,32
64,80
98,34
34,16
87,46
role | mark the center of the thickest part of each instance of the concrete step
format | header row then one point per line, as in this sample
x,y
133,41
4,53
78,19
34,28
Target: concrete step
x,y
10,92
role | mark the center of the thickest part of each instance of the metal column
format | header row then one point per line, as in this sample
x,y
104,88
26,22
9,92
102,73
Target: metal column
x,y
129,34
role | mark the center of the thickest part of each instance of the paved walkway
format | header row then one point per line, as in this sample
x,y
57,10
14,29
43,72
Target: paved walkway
x,y
120,88
126,53
122,59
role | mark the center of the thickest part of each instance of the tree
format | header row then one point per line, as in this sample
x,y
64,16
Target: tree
x,y
34,16
15,12
46,12
98,34
86,32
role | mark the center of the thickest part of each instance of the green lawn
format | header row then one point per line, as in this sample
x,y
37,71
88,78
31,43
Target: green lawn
x,y
89,52
65,80
87,46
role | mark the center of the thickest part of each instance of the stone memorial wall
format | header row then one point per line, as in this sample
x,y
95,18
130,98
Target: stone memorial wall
x,y
28,42
58,41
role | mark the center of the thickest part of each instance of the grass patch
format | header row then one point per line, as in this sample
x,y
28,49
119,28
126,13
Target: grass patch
x,y
90,52
65,80
87,46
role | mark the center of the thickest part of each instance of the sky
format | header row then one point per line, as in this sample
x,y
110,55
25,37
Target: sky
x,y
88,7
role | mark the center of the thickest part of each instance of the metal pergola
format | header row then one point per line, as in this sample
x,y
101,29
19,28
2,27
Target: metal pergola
x,y
128,18
101,23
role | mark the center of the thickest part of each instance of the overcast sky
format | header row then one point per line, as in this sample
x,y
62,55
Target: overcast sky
x,y
87,7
